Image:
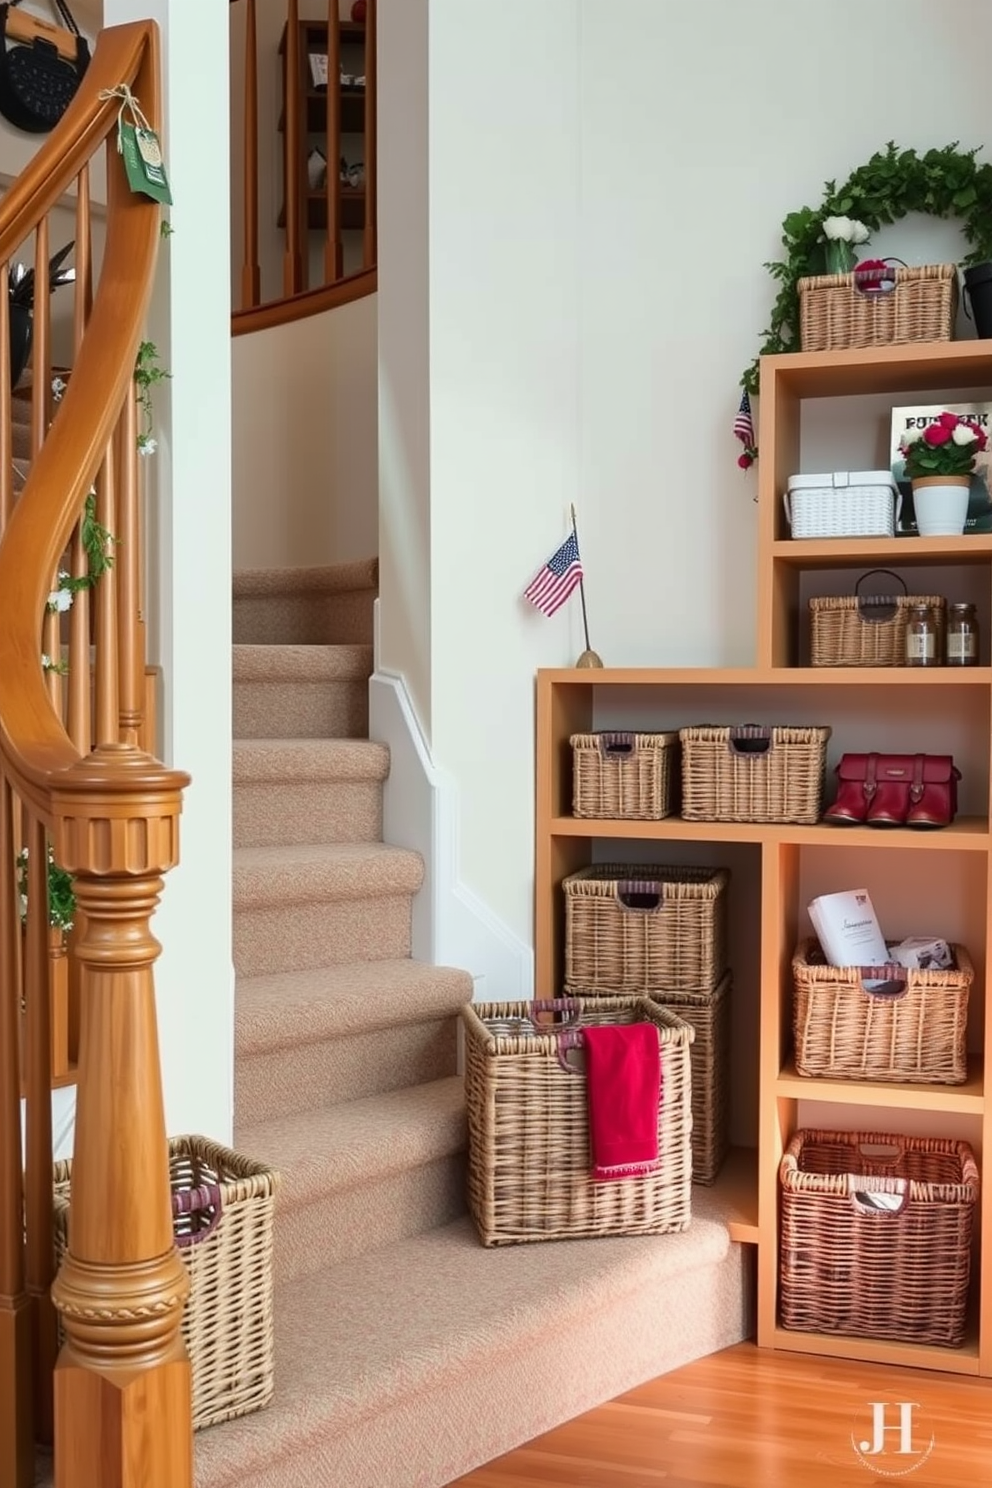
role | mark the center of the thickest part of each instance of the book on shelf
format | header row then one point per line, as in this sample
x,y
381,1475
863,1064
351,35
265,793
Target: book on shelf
x,y
979,518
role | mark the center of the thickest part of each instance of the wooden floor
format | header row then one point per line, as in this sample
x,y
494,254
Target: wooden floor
x,y
748,1419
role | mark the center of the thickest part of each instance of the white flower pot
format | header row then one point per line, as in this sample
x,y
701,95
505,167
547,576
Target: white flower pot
x,y
941,504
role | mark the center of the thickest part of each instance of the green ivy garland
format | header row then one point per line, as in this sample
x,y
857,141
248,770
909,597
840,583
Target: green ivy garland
x,y
942,183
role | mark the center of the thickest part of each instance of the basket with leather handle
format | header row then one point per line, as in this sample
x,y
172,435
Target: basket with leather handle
x,y
41,66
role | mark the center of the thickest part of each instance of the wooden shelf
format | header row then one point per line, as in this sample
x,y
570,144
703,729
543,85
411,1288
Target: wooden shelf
x,y
895,552
734,1196
756,677
963,1360
916,367
967,833
965,1100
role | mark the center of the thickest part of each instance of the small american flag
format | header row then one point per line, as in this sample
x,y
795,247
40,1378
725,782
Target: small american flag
x,y
744,431
559,576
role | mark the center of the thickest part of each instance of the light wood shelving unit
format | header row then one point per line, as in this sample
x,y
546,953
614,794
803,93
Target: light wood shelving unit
x,y
935,882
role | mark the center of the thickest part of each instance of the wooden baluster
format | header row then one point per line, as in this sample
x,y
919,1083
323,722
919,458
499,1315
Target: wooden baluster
x,y
79,714
38,1125
41,350
83,258
51,645
293,279
333,257
16,1381
122,1286
105,616
370,236
251,281
6,464
130,652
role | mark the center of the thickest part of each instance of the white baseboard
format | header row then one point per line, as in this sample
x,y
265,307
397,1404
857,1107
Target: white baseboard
x,y
452,926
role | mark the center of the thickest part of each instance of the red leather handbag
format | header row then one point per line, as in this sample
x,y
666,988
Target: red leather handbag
x,y
895,790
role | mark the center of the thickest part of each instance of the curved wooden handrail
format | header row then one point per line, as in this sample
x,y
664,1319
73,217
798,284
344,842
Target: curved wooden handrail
x,y
33,741
310,302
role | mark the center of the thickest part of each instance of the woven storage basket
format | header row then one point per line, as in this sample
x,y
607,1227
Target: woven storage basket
x,y
528,1167
753,774
865,630
843,1032
857,503
635,928
623,775
835,315
708,1015
850,1265
223,1207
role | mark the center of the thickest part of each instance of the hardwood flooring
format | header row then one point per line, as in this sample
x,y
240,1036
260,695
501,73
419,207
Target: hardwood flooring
x,y
750,1419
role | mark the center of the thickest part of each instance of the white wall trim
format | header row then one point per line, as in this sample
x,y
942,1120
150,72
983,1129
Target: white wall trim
x,y
421,810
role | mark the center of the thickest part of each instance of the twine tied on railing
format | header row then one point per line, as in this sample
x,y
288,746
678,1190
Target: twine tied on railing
x,y
139,145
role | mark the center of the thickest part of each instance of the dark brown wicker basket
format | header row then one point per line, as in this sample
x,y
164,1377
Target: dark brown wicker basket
x,y
851,1265
635,928
528,1125
835,315
621,775
843,1032
753,774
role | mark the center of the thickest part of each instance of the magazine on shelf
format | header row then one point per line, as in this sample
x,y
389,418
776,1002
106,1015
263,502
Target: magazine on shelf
x,y
848,930
979,517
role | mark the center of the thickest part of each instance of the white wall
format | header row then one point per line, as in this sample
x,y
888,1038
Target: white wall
x,y
190,596
305,440
604,184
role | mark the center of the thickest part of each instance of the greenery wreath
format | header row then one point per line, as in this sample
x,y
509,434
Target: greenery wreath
x,y
942,183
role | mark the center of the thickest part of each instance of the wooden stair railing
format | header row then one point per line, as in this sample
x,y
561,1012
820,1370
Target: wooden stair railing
x,y
75,782
310,282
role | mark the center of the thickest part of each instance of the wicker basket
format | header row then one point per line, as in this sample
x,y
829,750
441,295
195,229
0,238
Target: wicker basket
x,y
835,315
528,1172
623,775
633,929
864,630
753,774
225,1240
915,1036
851,1264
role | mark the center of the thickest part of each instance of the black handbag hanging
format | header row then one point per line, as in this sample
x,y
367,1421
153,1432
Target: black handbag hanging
x,y
41,66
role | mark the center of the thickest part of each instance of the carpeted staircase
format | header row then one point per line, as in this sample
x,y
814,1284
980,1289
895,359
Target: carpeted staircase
x,y
406,1354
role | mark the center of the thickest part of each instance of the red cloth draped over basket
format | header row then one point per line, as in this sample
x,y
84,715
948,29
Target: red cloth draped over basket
x,y
623,1076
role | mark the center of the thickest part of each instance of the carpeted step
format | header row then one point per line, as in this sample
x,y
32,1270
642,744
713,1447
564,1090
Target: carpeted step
x,y
411,1366
296,908
308,790
301,692
362,1174
309,1038
306,606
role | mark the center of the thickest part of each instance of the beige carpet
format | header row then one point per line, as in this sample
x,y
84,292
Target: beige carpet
x,y
406,1354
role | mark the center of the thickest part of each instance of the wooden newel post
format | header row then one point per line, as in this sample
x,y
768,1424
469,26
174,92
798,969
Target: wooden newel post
x,y
122,1383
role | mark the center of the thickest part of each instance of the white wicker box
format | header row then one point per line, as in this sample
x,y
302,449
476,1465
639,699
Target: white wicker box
x,y
843,503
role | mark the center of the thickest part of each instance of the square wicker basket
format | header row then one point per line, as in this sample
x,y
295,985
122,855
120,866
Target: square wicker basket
x,y
870,630
528,1129
835,314
622,775
635,928
223,1206
875,1237
753,774
913,1035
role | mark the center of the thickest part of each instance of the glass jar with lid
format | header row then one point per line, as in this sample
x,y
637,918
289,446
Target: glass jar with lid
x,y
962,635
921,637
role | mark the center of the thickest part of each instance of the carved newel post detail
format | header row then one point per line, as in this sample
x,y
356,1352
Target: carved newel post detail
x,y
122,1383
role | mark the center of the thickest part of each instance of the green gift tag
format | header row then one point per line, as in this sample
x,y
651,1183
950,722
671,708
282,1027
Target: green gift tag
x,y
143,162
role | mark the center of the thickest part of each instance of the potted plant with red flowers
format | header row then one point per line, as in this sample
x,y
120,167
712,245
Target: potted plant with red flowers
x,y
940,459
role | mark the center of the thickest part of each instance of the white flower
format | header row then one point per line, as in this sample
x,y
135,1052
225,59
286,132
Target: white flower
x,y
58,389
911,436
859,233
837,229
146,444
46,662
963,434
